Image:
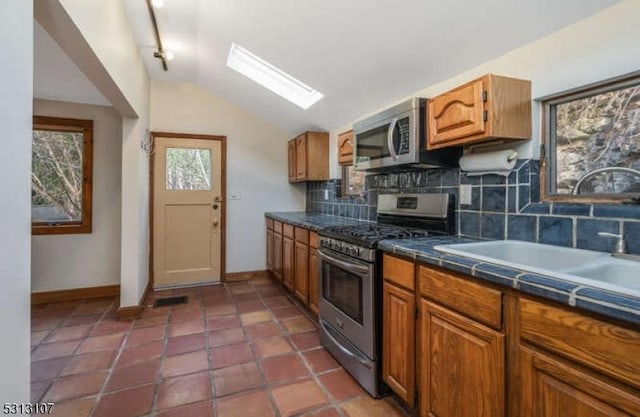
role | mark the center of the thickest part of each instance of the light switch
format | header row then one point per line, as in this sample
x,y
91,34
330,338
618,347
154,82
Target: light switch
x,y
326,194
235,195
465,194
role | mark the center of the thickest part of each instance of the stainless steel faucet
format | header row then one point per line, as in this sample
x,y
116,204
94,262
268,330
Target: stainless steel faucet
x,y
576,188
621,246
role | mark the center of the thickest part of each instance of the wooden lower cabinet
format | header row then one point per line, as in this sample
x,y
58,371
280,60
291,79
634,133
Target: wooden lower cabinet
x,y
270,250
313,280
398,344
277,256
555,388
288,256
461,365
302,272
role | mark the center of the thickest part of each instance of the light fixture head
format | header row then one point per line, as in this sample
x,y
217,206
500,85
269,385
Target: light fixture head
x,y
271,77
157,3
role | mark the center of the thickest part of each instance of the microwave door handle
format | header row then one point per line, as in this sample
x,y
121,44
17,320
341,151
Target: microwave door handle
x,y
392,150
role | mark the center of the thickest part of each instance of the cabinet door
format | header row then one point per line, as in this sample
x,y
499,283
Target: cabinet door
x,y
457,113
313,280
302,272
291,149
301,158
269,250
345,148
554,388
398,340
277,255
287,262
461,370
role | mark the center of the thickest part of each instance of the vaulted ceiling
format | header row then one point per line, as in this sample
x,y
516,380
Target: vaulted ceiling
x,y
361,54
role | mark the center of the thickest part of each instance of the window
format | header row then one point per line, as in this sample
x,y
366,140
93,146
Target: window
x,y
188,169
61,175
352,181
592,142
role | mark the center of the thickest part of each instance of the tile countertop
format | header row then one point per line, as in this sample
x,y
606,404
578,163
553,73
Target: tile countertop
x,y
614,305
312,221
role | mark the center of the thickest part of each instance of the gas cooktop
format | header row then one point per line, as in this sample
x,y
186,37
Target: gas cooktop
x,y
369,235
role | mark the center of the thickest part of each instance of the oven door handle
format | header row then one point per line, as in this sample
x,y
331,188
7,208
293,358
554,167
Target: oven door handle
x,y
347,266
342,348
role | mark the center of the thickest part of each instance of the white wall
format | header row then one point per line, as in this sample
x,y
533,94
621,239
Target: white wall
x,y
599,47
256,163
85,260
16,73
104,25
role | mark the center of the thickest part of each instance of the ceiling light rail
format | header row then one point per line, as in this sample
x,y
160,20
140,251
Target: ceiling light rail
x,y
160,53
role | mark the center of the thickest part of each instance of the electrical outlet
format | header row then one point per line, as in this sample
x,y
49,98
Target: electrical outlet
x,y
326,194
465,194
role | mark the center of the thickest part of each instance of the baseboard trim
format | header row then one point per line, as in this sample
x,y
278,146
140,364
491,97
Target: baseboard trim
x,y
245,275
74,294
133,312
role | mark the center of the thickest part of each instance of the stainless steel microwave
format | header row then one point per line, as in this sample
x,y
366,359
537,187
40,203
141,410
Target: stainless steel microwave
x,y
397,137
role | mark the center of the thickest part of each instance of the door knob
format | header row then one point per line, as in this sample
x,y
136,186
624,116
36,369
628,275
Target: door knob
x,y
215,223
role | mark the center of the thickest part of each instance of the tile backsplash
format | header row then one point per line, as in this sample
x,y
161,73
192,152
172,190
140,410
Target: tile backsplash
x,y
501,207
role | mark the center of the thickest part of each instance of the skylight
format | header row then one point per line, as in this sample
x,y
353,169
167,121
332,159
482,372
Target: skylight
x,y
271,77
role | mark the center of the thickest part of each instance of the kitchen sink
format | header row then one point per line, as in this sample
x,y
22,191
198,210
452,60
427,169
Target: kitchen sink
x,y
596,269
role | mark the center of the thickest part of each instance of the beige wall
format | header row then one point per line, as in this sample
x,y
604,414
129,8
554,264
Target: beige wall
x,y
596,48
256,163
85,260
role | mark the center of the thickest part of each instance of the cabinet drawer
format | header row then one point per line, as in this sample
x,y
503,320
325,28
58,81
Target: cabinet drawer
x,y
469,298
269,224
313,239
604,347
277,227
302,235
398,271
287,230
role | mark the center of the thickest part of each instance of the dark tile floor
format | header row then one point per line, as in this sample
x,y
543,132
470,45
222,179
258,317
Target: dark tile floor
x,y
235,350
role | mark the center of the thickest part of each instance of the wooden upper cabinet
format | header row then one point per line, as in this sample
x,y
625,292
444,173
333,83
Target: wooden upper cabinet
x,y
490,107
309,157
345,148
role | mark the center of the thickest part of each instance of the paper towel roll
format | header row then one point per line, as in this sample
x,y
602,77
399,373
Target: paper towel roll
x,y
496,162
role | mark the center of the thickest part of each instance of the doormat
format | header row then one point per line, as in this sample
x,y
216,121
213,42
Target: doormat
x,y
170,301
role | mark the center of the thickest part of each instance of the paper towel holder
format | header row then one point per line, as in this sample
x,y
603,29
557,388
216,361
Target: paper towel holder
x,y
493,145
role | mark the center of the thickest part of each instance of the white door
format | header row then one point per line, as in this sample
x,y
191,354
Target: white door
x,y
187,211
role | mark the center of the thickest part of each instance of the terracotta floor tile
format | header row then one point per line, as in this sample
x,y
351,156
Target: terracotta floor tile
x,y
109,327
340,385
188,314
226,336
261,281
45,323
223,322
272,346
76,386
48,368
305,341
184,344
130,402
286,312
284,368
220,310
320,360
203,409
184,390
106,342
237,378
186,327
254,404
150,321
324,412
368,407
90,309
298,324
255,317
140,353
68,333
38,389
54,350
241,289
145,335
262,330
88,362
73,408
250,306
270,292
250,296
229,355
298,397
38,336
130,376
185,363
77,320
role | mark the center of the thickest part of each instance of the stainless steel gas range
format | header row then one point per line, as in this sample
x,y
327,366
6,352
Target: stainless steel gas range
x,y
351,284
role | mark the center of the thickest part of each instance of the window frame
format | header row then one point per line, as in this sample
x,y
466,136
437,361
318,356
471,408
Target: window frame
x,y
84,226
548,146
346,181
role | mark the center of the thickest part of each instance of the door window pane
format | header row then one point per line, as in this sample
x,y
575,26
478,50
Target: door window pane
x,y
188,169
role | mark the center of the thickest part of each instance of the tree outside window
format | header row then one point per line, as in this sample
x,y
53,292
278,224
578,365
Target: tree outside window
x,y
61,175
